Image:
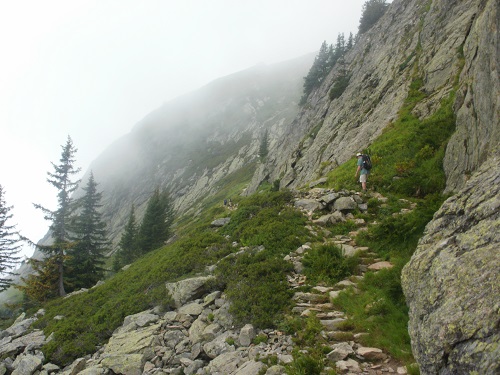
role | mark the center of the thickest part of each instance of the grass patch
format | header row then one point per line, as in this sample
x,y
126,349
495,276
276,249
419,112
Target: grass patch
x,y
407,157
255,281
327,264
90,318
379,307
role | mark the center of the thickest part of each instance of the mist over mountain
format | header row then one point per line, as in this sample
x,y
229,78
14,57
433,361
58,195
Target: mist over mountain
x,y
190,144
422,97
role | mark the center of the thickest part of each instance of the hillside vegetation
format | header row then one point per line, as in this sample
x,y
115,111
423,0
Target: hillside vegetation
x,y
268,225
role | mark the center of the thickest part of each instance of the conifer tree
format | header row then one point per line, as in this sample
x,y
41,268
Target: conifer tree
x,y
62,180
155,226
318,71
371,13
350,42
42,285
88,232
9,243
127,248
264,145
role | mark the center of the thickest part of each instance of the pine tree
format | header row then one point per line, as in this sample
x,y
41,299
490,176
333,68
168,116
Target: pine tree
x,y
371,13
127,248
42,285
61,179
9,243
264,145
350,42
156,223
317,73
88,231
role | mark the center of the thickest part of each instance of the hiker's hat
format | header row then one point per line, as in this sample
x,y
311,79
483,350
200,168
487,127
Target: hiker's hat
x,y
358,154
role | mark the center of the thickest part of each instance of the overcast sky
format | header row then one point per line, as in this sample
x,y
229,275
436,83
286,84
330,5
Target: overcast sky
x,y
92,69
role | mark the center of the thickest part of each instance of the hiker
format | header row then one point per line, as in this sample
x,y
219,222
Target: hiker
x,y
363,173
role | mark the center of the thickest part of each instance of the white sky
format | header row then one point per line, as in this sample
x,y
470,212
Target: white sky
x,y
92,69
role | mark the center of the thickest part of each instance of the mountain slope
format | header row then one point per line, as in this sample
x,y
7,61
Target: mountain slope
x,y
424,60
449,45
192,144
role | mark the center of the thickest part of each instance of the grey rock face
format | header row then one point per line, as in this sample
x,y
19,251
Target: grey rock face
x,y
26,364
478,100
452,282
189,289
380,65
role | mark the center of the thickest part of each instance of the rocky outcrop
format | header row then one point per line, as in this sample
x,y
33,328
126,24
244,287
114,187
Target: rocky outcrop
x,y
447,39
478,100
452,282
197,338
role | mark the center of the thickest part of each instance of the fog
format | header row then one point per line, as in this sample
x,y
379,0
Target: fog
x,y
93,69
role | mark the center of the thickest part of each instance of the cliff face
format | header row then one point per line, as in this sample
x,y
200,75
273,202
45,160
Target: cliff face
x,y
452,282
450,45
201,143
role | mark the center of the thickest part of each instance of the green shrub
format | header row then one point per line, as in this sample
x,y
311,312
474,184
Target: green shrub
x,y
339,86
327,264
260,338
304,364
379,308
257,287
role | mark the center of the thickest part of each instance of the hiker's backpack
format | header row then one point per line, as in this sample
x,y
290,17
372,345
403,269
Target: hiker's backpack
x,y
367,163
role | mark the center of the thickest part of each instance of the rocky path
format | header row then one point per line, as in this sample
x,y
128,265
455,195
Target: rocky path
x,y
347,354
199,337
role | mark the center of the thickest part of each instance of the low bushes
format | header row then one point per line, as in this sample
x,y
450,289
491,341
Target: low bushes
x,y
327,264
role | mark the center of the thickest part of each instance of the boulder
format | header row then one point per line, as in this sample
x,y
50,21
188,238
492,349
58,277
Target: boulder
x,y
247,334
371,354
189,289
26,364
329,198
339,352
223,317
345,204
380,266
220,222
348,250
250,368
173,337
349,365
308,204
76,367
210,332
34,340
226,363
219,345
130,364
196,330
19,328
193,309
452,282
138,342
142,319
332,324
323,220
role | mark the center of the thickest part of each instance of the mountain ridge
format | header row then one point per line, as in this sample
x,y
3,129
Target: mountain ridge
x,y
419,56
